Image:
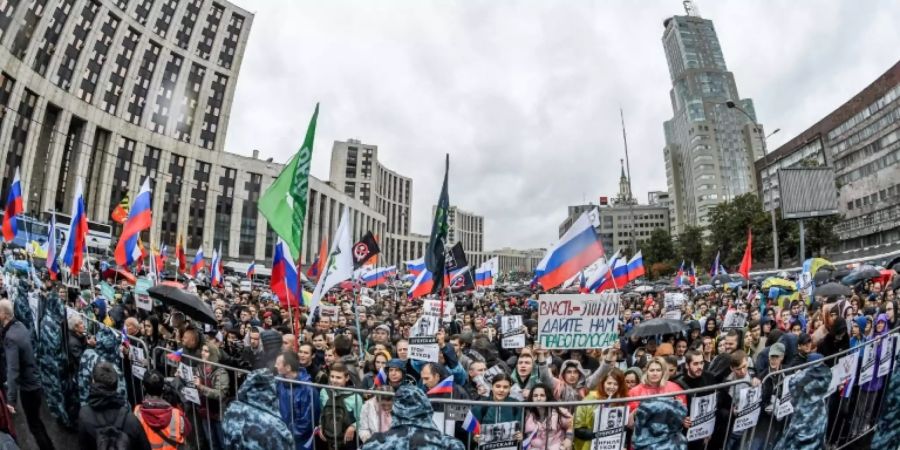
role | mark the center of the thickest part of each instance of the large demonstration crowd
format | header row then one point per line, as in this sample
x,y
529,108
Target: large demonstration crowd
x,y
92,385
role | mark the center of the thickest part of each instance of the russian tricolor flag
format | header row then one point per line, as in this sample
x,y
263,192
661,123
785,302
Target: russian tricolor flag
x,y
577,249
444,387
198,263
75,245
176,356
284,281
139,219
679,276
14,207
470,424
636,266
215,271
251,271
423,284
380,378
526,444
615,277
379,276
52,263
415,266
715,267
483,277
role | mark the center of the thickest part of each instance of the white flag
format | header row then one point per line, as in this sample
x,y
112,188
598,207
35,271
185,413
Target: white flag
x,y
338,266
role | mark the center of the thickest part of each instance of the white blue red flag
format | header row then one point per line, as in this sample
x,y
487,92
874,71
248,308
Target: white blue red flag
x,y
415,266
636,266
52,261
139,219
198,263
14,207
284,281
423,284
75,245
578,248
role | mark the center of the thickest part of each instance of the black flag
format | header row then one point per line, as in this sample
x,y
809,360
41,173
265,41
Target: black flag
x,y
366,248
435,259
456,260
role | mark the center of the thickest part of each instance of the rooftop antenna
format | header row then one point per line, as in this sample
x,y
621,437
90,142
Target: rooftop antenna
x,y
690,8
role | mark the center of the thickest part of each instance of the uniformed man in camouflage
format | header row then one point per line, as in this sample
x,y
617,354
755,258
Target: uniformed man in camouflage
x,y
252,421
411,426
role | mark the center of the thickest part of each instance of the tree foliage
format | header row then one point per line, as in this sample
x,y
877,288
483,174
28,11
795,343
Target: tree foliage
x,y
690,245
728,225
658,248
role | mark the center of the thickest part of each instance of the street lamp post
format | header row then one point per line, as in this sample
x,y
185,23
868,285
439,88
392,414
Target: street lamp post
x,y
757,129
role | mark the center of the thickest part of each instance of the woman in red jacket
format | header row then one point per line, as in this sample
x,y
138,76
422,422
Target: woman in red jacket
x,y
655,381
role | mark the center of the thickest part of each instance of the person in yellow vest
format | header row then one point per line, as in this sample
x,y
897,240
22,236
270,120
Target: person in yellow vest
x,y
166,427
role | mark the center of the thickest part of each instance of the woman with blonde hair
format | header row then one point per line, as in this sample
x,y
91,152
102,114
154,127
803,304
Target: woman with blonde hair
x,y
654,381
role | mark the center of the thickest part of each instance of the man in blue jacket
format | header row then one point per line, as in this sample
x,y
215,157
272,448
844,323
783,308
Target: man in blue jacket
x,y
297,403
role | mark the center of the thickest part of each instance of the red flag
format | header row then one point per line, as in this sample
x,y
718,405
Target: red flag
x,y
179,254
748,259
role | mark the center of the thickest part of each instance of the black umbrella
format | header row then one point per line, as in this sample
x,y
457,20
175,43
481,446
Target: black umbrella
x,y
832,290
823,275
721,279
895,283
184,301
861,273
654,327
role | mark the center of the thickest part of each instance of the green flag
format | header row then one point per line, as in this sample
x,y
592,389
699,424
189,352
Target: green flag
x,y
284,203
435,258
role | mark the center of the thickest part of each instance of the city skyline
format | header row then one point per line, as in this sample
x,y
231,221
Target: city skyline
x,y
505,101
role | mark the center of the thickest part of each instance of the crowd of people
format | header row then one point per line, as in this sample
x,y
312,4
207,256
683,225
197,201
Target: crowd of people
x,y
261,375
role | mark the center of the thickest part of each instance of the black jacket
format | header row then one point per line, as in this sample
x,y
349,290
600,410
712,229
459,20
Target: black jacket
x,y
77,345
104,409
21,367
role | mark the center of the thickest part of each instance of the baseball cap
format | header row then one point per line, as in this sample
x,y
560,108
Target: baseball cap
x,y
777,349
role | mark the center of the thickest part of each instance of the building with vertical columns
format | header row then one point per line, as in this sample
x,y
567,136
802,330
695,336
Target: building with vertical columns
x,y
112,91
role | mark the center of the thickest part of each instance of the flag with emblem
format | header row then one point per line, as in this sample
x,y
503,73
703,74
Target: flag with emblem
x,y
435,258
120,213
338,266
364,250
284,202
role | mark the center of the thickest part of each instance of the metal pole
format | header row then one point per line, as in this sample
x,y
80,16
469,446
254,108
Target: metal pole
x,y
802,241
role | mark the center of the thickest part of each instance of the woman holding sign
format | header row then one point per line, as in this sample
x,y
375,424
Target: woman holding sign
x,y
490,415
612,386
549,427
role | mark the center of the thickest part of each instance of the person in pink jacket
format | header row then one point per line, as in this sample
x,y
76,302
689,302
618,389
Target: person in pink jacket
x,y
547,427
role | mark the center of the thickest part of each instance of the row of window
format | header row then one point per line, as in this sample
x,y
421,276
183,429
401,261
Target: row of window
x,y
867,132
867,112
888,194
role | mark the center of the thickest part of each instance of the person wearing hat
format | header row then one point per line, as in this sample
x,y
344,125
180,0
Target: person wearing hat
x,y
396,373
767,406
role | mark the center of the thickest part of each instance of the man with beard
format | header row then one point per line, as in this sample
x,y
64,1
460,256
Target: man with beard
x,y
693,377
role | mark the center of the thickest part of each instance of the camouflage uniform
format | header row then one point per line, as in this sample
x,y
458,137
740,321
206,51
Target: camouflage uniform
x,y
107,349
807,428
887,434
53,363
252,421
411,426
657,425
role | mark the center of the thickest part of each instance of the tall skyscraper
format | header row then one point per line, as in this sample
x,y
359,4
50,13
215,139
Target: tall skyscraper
x,y
710,148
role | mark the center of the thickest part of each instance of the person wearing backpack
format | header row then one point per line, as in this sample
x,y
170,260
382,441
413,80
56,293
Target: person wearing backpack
x,y
106,422
340,411
165,426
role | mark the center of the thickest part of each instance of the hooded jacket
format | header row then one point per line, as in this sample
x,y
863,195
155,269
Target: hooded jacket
x,y
658,425
104,407
53,362
252,421
107,349
299,407
877,383
806,430
411,426
214,388
159,418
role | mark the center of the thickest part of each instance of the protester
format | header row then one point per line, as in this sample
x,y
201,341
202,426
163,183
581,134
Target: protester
x,y
106,421
165,426
411,426
298,403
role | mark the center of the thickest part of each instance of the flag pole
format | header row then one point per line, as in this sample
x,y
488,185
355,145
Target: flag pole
x,y
362,351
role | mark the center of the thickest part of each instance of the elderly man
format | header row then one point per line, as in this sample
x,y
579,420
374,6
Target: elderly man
x,y
22,374
78,341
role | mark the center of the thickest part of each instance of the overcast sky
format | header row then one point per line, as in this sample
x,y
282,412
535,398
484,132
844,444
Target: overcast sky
x,y
525,95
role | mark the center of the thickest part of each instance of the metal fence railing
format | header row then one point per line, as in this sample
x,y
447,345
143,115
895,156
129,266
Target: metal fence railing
x,y
852,404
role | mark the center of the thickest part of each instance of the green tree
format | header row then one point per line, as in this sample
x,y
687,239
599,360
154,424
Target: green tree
x,y
658,248
728,225
690,245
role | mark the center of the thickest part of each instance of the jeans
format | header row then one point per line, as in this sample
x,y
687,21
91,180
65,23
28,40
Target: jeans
x,y
31,404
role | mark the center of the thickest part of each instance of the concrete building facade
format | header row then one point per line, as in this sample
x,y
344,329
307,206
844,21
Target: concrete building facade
x,y
861,141
710,148
110,92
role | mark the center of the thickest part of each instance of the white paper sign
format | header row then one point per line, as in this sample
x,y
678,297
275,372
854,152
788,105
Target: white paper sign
x,y
887,355
328,311
499,436
867,371
609,428
843,371
578,321
512,332
422,342
433,308
136,354
784,406
748,406
138,371
703,417
185,373
191,394
673,302
485,378
734,320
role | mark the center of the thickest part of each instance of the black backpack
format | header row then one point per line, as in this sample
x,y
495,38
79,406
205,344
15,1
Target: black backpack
x,y
335,417
113,436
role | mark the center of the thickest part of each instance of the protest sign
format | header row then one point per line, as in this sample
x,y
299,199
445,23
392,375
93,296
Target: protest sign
x,y
748,406
328,311
191,394
574,321
703,417
512,332
673,302
422,342
887,355
141,294
867,372
433,308
609,428
483,381
843,371
499,436
784,406
734,320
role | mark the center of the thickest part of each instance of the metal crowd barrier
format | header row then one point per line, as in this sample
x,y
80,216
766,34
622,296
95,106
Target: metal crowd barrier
x,y
849,419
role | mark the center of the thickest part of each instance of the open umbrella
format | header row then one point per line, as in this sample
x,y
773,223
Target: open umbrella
x,y
863,272
779,282
118,273
654,327
832,290
721,279
643,288
184,301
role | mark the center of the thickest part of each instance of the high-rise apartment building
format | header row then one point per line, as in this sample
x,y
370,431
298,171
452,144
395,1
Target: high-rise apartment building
x,y
710,147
